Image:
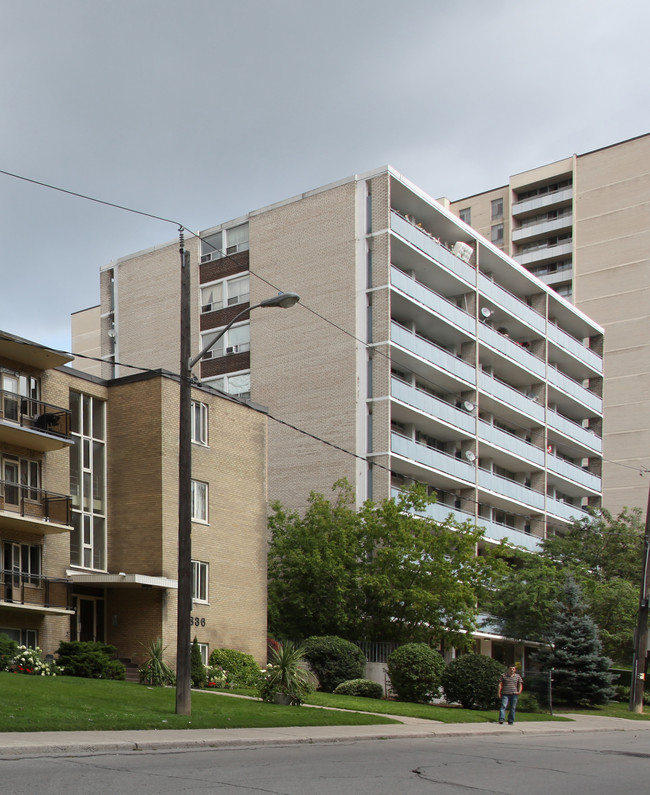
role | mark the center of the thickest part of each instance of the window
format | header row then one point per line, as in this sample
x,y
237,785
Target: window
x,y
238,385
23,637
224,242
466,215
496,234
199,423
88,482
204,649
497,209
228,292
199,581
235,340
199,501
21,564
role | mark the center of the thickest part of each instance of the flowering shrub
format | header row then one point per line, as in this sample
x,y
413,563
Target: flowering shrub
x,y
286,674
216,676
30,661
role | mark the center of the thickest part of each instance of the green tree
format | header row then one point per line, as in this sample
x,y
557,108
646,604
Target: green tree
x,y
604,555
383,572
197,672
580,671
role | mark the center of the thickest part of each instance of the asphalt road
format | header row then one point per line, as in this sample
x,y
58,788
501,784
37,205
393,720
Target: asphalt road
x,y
572,764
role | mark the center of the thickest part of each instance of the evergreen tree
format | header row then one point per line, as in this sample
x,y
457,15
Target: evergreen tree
x,y
197,667
580,672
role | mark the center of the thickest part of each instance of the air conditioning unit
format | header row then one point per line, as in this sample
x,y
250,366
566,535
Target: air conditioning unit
x,y
232,349
462,251
206,258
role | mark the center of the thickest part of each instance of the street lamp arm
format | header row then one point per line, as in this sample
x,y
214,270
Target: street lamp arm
x,y
282,300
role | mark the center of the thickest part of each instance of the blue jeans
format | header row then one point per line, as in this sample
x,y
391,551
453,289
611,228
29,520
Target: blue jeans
x,y
508,702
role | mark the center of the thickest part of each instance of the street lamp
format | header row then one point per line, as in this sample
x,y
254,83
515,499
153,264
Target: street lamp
x,y
184,613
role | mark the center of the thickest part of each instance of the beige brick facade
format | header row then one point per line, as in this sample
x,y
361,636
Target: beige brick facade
x,y
132,600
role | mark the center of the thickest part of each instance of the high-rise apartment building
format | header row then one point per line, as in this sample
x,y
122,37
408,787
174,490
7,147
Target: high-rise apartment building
x,y
582,226
419,352
89,510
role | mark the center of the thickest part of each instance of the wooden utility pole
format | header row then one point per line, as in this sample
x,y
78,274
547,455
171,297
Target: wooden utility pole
x,y
641,634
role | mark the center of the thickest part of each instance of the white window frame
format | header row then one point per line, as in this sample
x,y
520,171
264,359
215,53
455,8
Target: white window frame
x,y
200,416
200,516
226,377
200,581
227,299
224,343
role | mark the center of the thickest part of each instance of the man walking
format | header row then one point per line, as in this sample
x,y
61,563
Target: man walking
x,y
510,687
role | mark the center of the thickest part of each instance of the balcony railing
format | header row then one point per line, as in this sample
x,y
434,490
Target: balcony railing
x,y
34,414
511,303
431,458
34,505
513,397
569,428
513,444
575,347
433,406
34,591
432,247
511,489
432,353
515,352
574,389
436,303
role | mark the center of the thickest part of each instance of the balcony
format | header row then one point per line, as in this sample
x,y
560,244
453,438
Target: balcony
x,y
577,433
432,247
504,393
543,253
431,458
501,532
506,300
562,196
575,474
432,353
432,301
575,347
33,510
33,424
433,406
574,390
542,228
511,490
24,591
513,444
564,510
513,351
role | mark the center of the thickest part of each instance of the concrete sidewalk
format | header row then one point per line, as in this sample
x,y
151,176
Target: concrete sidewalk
x,y
26,744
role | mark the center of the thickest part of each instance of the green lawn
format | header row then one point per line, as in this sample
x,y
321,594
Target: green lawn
x,y
33,703
612,710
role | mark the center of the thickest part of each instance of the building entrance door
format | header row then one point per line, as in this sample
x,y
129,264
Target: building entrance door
x,y
88,621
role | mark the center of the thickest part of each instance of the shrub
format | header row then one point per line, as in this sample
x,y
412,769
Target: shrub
x,y
197,668
364,688
286,673
89,660
333,660
155,671
8,648
528,702
216,676
241,668
472,680
414,670
30,661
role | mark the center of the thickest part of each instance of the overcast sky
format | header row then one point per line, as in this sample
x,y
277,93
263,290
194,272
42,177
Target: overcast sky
x,y
202,110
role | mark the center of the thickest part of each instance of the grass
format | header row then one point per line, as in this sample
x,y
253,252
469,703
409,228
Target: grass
x,y
33,703
614,709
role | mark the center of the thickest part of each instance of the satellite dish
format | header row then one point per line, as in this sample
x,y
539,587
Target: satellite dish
x,y
486,313
467,405
469,455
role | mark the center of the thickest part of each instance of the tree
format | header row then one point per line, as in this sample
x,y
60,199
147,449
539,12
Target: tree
x,y
197,667
382,573
580,672
602,552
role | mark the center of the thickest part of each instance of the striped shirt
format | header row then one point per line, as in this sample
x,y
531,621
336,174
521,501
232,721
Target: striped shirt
x,y
510,684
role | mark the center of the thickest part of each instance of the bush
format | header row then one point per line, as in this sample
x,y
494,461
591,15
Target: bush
x,y
30,661
333,660
472,680
286,674
197,668
364,688
89,660
527,702
415,670
240,668
155,671
8,649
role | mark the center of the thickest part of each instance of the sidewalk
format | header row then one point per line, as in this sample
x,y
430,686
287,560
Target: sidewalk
x,y
26,744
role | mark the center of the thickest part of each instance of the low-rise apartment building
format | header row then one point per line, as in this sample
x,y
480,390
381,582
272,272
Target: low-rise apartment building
x,y
89,509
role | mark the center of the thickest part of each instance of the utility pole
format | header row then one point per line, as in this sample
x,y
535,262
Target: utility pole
x,y
184,592
641,634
